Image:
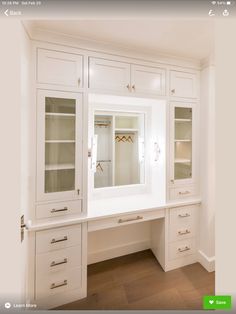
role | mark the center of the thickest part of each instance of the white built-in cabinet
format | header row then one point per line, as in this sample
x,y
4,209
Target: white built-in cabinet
x,y
110,75
64,78
59,145
183,143
59,69
183,84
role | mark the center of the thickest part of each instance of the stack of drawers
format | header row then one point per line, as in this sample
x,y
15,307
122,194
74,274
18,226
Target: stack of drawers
x,y
58,261
182,232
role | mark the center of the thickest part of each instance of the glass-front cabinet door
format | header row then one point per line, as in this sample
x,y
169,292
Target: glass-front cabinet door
x,y
182,143
59,145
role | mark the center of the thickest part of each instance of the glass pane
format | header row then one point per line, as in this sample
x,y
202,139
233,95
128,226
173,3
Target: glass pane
x,y
59,180
120,149
183,143
60,105
60,134
103,128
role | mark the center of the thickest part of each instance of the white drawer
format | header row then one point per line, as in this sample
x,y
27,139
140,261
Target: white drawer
x,y
125,219
52,210
182,248
183,222
182,192
53,283
58,238
58,261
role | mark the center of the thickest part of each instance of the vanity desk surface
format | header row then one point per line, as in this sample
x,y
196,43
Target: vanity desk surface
x,y
148,208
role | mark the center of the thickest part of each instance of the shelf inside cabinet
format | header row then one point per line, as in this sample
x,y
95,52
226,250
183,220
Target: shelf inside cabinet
x,y
187,140
182,160
60,167
59,141
183,120
125,130
57,114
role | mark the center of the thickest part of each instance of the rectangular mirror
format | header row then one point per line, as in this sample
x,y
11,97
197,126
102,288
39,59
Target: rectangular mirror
x,y
120,149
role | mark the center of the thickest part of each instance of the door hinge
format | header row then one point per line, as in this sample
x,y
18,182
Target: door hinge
x,y
22,227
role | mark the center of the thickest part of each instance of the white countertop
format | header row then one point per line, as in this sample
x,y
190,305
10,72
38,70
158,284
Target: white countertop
x,y
106,208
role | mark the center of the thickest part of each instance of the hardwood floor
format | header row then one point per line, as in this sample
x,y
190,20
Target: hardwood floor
x,y
137,282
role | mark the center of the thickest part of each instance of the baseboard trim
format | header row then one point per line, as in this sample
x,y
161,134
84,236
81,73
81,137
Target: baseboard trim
x,y
207,262
99,256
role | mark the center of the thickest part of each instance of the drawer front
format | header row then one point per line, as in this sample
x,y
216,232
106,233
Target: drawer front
x,y
58,209
58,261
182,192
58,238
181,248
53,283
125,220
183,222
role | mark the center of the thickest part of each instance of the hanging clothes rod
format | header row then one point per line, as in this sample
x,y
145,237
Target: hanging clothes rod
x,y
103,160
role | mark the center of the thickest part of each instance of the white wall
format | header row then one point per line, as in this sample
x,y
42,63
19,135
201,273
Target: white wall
x,y
13,81
207,166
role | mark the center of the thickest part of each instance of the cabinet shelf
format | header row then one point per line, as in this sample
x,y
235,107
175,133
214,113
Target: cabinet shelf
x,y
56,114
125,130
182,160
59,141
60,167
183,140
183,120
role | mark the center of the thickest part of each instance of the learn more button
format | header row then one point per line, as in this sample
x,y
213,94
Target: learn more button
x,y
217,302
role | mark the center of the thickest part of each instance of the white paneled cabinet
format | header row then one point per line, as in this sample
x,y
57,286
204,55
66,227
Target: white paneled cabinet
x,y
59,145
109,75
115,76
60,69
183,84
149,80
183,150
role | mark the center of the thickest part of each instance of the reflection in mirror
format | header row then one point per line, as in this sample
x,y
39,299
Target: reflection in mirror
x,y
120,149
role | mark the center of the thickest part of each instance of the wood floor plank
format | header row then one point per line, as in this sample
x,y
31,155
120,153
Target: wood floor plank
x,y
137,282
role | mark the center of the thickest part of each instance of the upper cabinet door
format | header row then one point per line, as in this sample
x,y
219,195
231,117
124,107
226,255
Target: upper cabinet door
x,y
59,145
60,69
183,84
109,75
149,80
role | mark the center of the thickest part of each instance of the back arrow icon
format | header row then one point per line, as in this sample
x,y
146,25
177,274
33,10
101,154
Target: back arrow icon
x,y
6,12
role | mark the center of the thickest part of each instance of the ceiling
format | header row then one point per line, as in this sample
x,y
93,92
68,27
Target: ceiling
x,y
180,38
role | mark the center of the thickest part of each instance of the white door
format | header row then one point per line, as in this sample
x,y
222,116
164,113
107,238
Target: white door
x,y
59,145
109,75
183,84
149,80
182,143
60,69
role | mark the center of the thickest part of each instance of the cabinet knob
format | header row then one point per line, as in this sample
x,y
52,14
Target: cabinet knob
x,y
128,87
173,91
79,81
133,87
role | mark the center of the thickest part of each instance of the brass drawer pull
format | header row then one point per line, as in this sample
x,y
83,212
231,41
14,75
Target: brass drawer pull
x,y
54,210
60,240
59,263
184,215
120,221
54,286
184,193
184,232
187,248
